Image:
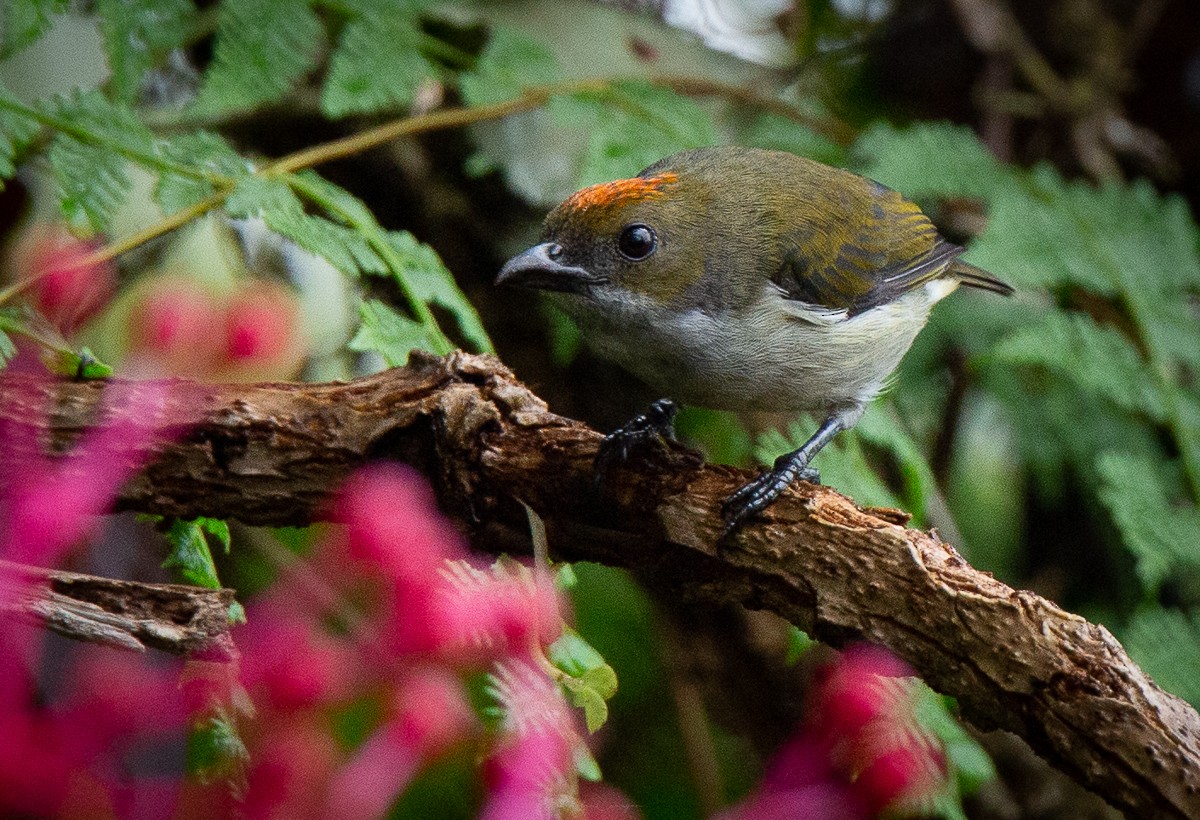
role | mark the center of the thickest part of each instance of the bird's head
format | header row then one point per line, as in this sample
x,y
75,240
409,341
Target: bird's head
x,y
655,238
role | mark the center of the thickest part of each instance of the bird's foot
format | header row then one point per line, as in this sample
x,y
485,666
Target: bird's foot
x,y
757,495
656,424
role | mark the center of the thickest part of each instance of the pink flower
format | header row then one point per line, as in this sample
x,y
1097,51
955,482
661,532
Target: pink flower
x,y
66,286
49,505
431,714
174,328
291,664
392,522
262,334
861,687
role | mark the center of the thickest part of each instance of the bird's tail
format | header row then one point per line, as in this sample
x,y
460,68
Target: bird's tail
x,y
974,277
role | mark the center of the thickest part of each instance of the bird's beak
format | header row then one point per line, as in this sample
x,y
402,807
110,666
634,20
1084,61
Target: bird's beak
x,y
538,268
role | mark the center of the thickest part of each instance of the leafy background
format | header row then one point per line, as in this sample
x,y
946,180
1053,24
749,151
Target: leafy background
x,y
1053,437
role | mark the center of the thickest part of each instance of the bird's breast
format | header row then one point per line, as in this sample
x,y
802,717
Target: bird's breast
x,y
765,357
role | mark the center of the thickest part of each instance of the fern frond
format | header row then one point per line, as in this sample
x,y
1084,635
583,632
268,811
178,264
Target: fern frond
x,y
17,131
24,21
263,48
1099,360
1163,537
377,65
136,33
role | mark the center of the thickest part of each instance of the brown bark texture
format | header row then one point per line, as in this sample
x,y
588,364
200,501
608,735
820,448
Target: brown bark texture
x,y
272,454
182,620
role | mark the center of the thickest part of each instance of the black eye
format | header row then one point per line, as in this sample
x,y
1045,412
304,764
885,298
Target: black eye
x,y
637,242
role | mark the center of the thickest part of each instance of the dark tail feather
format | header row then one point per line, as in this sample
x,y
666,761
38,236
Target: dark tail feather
x,y
974,277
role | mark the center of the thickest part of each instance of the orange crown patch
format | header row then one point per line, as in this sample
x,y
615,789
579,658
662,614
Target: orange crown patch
x,y
619,192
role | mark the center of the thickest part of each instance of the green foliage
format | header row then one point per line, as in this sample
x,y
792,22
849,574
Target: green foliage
x,y
1166,644
508,64
209,155
136,33
846,463
263,48
773,131
1142,495
589,681
1102,362
631,125
17,130
24,21
215,751
969,766
930,159
378,65
190,555
90,161
388,333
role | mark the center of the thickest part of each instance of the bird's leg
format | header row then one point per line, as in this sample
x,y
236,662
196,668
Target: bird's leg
x,y
759,493
658,422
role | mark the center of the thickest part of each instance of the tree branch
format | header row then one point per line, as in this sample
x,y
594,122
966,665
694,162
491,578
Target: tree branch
x,y
178,619
272,453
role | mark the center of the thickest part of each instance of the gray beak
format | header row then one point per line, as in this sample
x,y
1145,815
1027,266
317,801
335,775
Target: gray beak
x,y
539,268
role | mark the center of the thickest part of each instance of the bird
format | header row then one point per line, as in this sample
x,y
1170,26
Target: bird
x,y
746,279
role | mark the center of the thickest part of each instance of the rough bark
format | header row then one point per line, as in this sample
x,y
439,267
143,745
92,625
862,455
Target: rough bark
x,y
182,620
272,453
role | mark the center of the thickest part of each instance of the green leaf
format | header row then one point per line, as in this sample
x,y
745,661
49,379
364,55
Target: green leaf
x,y
277,204
24,21
57,354
845,464
215,751
263,48
207,153
378,65
386,332
587,698
509,63
1166,644
1163,536
190,555
589,681
429,280
17,131
930,159
1100,361
1114,238
136,33
970,765
798,644
87,164
8,350
633,125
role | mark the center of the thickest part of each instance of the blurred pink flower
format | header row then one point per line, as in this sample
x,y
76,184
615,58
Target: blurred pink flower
x,y
48,505
859,753
66,286
431,713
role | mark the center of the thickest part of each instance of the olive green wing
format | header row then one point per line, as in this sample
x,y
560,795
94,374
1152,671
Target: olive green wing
x,y
866,249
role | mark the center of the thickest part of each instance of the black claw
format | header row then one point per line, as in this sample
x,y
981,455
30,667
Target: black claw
x,y
658,422
757,495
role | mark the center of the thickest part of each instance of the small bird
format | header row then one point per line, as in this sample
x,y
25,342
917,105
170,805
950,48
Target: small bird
x,y
745,279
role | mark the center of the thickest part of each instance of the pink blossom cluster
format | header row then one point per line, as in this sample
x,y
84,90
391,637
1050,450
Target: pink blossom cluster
x,y
178,327
64,282
860,753
416,615
390,610
67,744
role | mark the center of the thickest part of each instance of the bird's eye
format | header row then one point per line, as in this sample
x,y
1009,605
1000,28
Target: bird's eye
x,y
637,242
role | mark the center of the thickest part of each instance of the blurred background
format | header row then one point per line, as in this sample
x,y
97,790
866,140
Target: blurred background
x,y
1053,438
